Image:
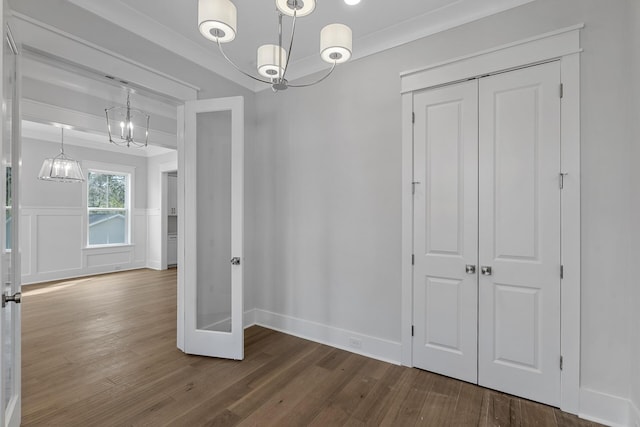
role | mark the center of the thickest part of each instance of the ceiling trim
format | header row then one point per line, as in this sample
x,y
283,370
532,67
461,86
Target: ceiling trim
x,y
75,81
51,134
124,16
444,18
41,112
54,42
421,26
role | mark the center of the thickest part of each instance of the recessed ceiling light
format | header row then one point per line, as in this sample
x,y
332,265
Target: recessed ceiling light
x,y
352,2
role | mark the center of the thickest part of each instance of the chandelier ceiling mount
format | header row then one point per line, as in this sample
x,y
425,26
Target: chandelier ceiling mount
x,y
217,21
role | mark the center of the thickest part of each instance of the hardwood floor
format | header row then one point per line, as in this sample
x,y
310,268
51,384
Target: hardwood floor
x,y
100,351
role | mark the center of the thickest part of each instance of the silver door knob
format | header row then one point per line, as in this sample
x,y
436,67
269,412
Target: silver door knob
x,y
470,269
485,270
235,261
17,298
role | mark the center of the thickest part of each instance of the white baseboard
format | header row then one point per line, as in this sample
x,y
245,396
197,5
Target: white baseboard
x,y
604,408
154,264
634,415
249,318
376,348
75,273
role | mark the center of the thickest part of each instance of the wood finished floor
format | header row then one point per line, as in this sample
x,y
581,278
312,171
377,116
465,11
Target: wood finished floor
x,y
100,351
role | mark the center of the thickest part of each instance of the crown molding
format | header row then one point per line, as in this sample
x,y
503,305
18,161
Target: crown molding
x,y
122,15
53,42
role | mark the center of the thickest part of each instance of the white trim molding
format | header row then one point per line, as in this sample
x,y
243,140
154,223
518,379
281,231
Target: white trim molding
x,y
562,45
634,414
40,37
365,345
604,408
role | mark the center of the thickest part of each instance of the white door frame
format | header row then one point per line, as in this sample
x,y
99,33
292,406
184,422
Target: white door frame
x,y
562,45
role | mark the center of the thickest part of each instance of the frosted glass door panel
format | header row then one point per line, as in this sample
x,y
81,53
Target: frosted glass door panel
x,y
214,221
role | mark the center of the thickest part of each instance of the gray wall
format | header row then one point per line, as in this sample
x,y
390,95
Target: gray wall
x,y
328,203
634,159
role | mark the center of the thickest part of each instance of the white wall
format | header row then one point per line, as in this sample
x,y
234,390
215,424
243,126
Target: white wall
x,y
52,218
155,166
330,210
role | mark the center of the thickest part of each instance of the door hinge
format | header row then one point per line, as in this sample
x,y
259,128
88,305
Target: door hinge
x,y
562,271
562,175
412,330
561,363
413,117
413,259
561,90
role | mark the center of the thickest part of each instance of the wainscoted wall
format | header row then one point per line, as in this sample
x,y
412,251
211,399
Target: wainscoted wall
x,y
53,247
53,217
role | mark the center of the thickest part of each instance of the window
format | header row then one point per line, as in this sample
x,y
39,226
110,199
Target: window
x,y
108,208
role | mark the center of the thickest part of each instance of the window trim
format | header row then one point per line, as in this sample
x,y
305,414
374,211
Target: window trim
x,y
115,169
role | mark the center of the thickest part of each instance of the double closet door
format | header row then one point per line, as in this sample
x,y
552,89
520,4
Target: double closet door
x,y
487,273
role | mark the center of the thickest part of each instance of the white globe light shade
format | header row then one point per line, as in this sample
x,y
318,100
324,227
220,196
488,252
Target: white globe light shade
x,y
269,65
217,20
336,43
303,8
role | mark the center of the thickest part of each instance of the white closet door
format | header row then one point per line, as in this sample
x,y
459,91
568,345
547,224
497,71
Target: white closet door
x,y
519,213
446,230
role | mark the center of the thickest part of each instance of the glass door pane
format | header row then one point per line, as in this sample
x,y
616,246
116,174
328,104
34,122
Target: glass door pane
x,y
214,221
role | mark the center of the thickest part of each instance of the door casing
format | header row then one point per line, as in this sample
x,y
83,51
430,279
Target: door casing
x,y
564,46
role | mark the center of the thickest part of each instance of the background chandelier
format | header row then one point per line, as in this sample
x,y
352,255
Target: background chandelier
x,y
133,125
217,21
61,168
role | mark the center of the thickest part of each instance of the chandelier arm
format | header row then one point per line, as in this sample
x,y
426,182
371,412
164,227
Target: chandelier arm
x,y
318,81
238,68
293,33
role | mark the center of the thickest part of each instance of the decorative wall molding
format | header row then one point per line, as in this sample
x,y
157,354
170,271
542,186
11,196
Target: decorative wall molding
x,y
45,229
369,346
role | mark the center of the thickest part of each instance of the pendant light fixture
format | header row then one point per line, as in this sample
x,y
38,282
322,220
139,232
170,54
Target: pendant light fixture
x,y
61,168
127,126
217,21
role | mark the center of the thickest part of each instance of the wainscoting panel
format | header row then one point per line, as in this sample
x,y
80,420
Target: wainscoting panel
x,y
53,246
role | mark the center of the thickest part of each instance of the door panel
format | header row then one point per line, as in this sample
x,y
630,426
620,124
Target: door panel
x,y
445,226
9,181
214,228
519,236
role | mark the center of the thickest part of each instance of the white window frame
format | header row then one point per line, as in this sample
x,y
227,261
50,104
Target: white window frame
x,y
114,169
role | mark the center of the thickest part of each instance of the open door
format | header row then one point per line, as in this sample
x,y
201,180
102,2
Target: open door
x,y
10,262
210,287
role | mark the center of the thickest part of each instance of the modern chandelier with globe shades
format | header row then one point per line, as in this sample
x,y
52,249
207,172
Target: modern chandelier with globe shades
x,y
217,21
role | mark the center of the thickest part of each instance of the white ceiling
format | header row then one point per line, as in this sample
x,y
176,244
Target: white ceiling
x,y
377,25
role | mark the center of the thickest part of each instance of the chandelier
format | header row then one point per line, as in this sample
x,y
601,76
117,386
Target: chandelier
x,y
61,168
132,123
217,21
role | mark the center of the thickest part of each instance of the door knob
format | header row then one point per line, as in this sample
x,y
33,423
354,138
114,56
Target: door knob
x,y
470,269
17,298
235,261
485,270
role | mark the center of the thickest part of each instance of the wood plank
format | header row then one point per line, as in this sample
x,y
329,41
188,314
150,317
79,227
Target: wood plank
x,y
102,351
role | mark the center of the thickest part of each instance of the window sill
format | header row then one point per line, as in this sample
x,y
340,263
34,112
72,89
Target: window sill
x,y
113,246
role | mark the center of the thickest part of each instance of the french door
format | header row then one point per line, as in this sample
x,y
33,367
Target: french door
x,y
212,226
487,232
10,347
